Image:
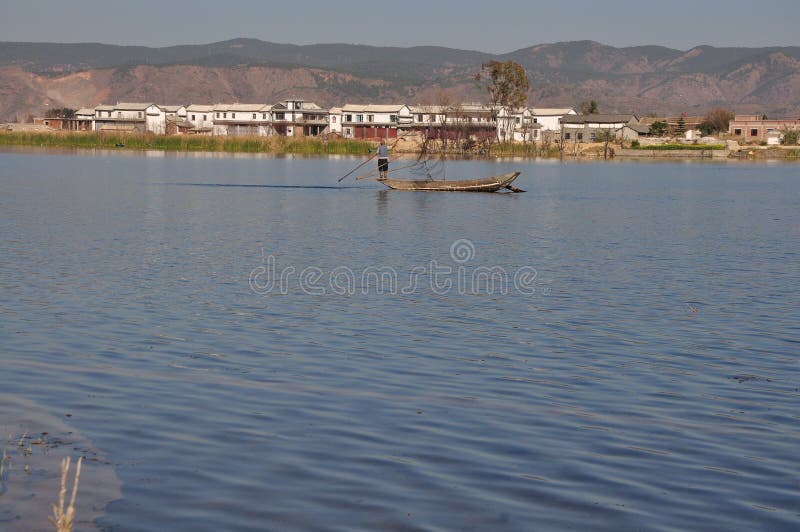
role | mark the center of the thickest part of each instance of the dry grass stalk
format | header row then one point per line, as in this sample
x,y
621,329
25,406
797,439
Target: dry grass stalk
x,y
63,519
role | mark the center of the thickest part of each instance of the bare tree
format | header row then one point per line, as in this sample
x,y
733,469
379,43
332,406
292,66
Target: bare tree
x,y
507,85
715,121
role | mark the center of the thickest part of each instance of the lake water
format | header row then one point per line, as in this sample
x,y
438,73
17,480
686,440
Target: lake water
x,y
251,346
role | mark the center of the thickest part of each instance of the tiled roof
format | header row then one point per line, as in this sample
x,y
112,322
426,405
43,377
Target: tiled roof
x,y
372,108
129,106
243,107
551,111
597,119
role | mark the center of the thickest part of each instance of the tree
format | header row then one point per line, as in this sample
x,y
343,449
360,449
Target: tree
x,y
507,85
680,128
64,112
715,121
606,136
659,128
588,107
789,137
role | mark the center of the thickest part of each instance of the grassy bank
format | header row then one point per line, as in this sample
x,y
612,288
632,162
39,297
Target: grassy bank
x,y
522,149
310,146
672,147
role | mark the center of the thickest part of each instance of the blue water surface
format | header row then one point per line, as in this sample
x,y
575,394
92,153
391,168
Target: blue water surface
x,y
256,347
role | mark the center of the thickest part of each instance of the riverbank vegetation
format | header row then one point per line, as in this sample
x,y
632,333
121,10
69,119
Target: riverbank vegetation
x,y
278,145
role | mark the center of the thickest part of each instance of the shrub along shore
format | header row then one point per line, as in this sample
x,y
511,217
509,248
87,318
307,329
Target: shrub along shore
x,y
274,145
310,146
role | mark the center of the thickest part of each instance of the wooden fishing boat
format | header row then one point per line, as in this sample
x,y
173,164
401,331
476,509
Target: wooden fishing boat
x,y
486,184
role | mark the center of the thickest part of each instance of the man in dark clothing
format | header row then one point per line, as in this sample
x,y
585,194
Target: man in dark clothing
x,y
383,160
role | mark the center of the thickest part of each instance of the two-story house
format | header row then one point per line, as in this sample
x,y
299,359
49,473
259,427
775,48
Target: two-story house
x,y
369,121
130,117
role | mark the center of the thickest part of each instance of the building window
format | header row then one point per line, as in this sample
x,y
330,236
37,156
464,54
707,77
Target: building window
x,y
394,119
737,131
535,120
140,114
567,136
347,131
193,118
580,136
592,136
217,115
359,118
348,118
518,120
754,132
263,116
370,118
333,120
419,118
280,116
119,114
233,115
254,116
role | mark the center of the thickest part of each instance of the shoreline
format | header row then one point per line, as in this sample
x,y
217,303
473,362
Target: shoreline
x,y
315,146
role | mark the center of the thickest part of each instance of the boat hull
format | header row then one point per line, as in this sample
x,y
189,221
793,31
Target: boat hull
x,y
486,184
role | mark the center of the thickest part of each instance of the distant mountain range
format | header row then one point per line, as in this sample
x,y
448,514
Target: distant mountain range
x,y
642,79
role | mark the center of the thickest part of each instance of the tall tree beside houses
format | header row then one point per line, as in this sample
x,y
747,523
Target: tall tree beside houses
x,y
715,121
507,84
589,107
680,128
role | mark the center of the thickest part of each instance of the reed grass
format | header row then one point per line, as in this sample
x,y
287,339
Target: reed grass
x,y
63,518
194,143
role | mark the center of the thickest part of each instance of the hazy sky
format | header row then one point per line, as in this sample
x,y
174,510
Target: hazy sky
x,y
490,26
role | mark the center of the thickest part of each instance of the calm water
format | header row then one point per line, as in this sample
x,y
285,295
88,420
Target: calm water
x,y
644,373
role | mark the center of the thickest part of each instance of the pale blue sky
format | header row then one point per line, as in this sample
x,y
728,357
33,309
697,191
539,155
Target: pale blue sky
x,y
491,26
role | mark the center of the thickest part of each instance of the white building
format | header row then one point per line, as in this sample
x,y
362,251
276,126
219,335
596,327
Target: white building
x,y
254,119
201,117
130,117
550,118
592,127
174,111
369,121
298,118
335,120
463,120
84,118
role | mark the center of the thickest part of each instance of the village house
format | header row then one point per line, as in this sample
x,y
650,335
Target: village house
x,y
80,121
202,119
84,119
298,118
130,117
237,119
370,121
174,111
467,120
550,118
590,128
755,128
517,126
335,121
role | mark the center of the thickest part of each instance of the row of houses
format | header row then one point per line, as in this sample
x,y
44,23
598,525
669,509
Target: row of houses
x,y
299,118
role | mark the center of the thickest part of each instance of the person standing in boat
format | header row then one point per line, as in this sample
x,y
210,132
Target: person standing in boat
x,y
383,160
